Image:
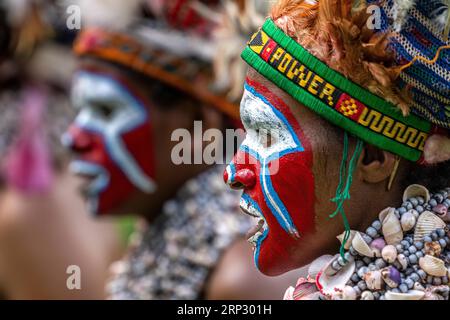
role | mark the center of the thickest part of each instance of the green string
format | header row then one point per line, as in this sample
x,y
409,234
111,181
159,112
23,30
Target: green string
x,y
343,188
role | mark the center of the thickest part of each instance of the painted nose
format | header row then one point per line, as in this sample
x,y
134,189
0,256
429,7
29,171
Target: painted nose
x,y
239,179
76,140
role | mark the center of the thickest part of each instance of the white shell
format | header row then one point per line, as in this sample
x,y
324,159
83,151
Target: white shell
x,y
408,220
317,265
433,266
367,295
401,258
329,281
392,229
389,253
362,247
373,280
383,214
416,190
411,295
348,293
426,224
349,241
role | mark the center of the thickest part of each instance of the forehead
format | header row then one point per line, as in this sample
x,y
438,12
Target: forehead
x,y
308,120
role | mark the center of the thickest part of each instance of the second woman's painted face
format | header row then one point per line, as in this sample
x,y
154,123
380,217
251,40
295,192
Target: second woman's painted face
x,y
274,168
112,140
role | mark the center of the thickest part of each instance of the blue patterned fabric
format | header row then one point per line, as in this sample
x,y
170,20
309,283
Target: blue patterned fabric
x,y
421,34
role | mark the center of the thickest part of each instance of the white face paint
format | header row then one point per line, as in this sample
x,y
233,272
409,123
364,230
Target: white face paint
x,y
105,107
112,138
269,135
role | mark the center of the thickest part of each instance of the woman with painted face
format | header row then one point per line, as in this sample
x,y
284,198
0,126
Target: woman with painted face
x,y
45,231
353,98
142,84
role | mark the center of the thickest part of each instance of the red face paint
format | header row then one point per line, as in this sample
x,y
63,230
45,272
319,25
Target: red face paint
x,y
281,188
111,138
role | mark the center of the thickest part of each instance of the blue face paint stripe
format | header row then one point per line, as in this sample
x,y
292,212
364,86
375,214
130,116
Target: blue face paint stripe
x,y
283,217
254,204
115,146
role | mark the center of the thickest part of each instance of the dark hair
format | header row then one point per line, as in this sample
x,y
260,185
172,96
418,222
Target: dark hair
x,y
435,177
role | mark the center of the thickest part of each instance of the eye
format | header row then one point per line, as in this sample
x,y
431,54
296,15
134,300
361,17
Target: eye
x,y
265,137
105,110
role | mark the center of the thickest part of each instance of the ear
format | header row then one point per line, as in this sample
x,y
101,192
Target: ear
x,y
376,165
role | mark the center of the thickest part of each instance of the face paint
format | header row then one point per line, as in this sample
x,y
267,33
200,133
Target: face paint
x,y
274,169
112,138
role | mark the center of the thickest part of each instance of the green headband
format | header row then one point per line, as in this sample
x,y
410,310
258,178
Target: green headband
x,y
308,80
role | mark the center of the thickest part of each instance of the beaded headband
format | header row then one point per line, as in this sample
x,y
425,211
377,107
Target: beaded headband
x,y
342,102
184,74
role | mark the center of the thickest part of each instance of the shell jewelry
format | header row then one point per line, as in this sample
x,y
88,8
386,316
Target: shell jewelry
x,y
403,255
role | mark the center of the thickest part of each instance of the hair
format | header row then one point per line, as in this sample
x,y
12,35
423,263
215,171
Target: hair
x,y
337,33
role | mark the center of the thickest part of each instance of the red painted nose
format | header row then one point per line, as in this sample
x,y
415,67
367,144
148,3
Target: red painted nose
x,y
77,140
244,178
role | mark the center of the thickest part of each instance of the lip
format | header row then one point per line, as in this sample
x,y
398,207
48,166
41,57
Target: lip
x,y
256,232
94,177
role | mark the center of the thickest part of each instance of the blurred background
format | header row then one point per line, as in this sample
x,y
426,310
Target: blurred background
x,y
48,236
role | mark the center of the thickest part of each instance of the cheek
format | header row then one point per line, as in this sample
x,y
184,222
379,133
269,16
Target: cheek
x,y
139,143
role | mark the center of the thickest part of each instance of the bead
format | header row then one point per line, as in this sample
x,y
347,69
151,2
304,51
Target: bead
x,y
414,277
380,263
429,279
434,236
420,209
401,210
433,203
437,281
355,278
409,283
362,285
367,260
443,243
367,238
336,266
414,201
341,261
422,274
376,225
412,259
359,264
352,251
412,249
427,239
418,245
444,280
440,232
419,254
372,232
403,288
362,271
405,244
396,290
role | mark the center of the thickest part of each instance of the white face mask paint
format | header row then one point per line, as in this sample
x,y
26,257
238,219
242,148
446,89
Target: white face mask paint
x,y
268,134
117,126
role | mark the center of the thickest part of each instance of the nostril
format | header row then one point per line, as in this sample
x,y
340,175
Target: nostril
x,y
236,185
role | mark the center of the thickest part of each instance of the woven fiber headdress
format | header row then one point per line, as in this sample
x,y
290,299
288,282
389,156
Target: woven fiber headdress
x,y
379,70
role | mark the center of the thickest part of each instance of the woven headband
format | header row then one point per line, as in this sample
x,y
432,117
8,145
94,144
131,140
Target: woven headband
x,y
129,52
342,102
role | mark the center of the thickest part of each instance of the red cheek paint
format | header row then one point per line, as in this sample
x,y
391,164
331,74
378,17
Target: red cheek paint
x,y
289,188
